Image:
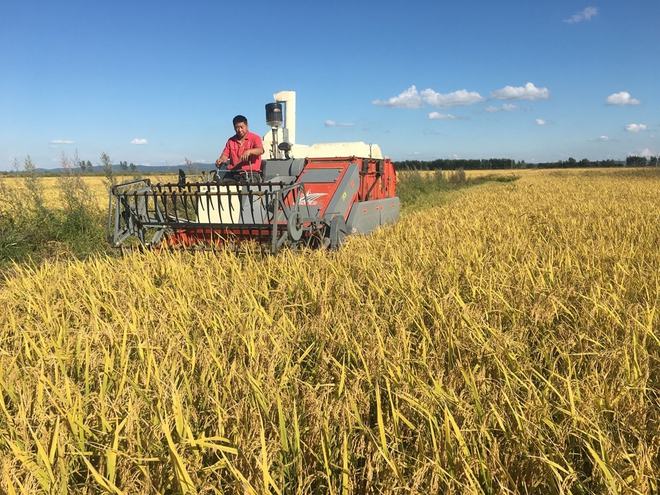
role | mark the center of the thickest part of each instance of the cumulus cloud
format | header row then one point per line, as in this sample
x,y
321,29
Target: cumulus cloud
x,y
604,139
622,98
635,127
527,92
62,141
332,123
441,116
412,98
585,15
456,98
646,152
540,122
506,107
139,141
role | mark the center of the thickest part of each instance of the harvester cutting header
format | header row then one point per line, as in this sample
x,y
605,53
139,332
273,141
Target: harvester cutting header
x,y
305,195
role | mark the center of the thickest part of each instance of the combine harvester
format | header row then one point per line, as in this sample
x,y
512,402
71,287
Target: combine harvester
x,y
307,196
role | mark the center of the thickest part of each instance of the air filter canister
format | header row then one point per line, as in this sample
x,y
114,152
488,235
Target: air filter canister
x,y
274,114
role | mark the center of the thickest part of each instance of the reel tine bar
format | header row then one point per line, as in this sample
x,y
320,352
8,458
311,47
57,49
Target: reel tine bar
x,y
211,213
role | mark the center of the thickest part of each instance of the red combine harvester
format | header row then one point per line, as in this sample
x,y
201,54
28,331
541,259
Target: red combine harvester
x,y
306,196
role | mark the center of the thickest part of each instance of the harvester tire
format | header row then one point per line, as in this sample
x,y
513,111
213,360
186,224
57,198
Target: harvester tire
x,y
293,228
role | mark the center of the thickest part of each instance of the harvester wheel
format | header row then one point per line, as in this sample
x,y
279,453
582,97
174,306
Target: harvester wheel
x,y
294,229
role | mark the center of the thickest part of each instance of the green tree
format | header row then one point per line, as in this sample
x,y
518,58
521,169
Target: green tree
x,y
635,161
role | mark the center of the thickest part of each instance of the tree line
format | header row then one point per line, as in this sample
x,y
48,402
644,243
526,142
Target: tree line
x,y
508,163
106,164
87,166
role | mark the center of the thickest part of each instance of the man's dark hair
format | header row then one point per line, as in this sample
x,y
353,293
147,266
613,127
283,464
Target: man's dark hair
x,y
239,119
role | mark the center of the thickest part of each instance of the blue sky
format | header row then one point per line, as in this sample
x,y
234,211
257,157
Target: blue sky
x,y
155,82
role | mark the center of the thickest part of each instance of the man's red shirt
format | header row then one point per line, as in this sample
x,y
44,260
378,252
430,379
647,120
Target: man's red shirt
x,y
234,149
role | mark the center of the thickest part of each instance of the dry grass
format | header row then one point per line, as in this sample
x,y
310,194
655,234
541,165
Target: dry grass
x,y
506,342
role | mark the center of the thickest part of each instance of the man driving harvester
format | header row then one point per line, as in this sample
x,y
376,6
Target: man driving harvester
x,y
242,152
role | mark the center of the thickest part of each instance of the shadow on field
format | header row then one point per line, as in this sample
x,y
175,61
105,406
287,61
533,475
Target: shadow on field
x,y
418,189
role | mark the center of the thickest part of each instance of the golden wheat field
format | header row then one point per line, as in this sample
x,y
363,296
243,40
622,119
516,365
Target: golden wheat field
x,y
96,185
506,341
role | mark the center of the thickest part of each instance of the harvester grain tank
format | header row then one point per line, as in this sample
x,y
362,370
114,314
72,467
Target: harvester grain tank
x,y
312,196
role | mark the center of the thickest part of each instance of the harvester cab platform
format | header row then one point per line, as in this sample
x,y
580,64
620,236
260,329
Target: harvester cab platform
x,y
305,196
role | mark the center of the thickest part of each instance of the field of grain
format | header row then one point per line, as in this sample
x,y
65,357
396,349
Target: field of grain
x,y
505,341
52,187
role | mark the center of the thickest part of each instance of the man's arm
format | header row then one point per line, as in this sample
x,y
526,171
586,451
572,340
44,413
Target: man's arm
x,y
256,150
224,156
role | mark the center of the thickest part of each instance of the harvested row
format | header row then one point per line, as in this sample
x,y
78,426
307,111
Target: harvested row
x,y
507,341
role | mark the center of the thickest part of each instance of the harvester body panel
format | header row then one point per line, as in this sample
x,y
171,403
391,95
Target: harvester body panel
x,y
312,202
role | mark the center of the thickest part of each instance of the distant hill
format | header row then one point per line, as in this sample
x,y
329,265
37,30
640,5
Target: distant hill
x,y
118,170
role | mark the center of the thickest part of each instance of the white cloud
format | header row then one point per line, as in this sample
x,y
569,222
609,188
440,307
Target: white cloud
x,y
527,92
540,122
584,15
622,98
646,152
332,123
412,98
604,139
635,127
62,141
456,98
409,98
139,141
506,107
441,116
